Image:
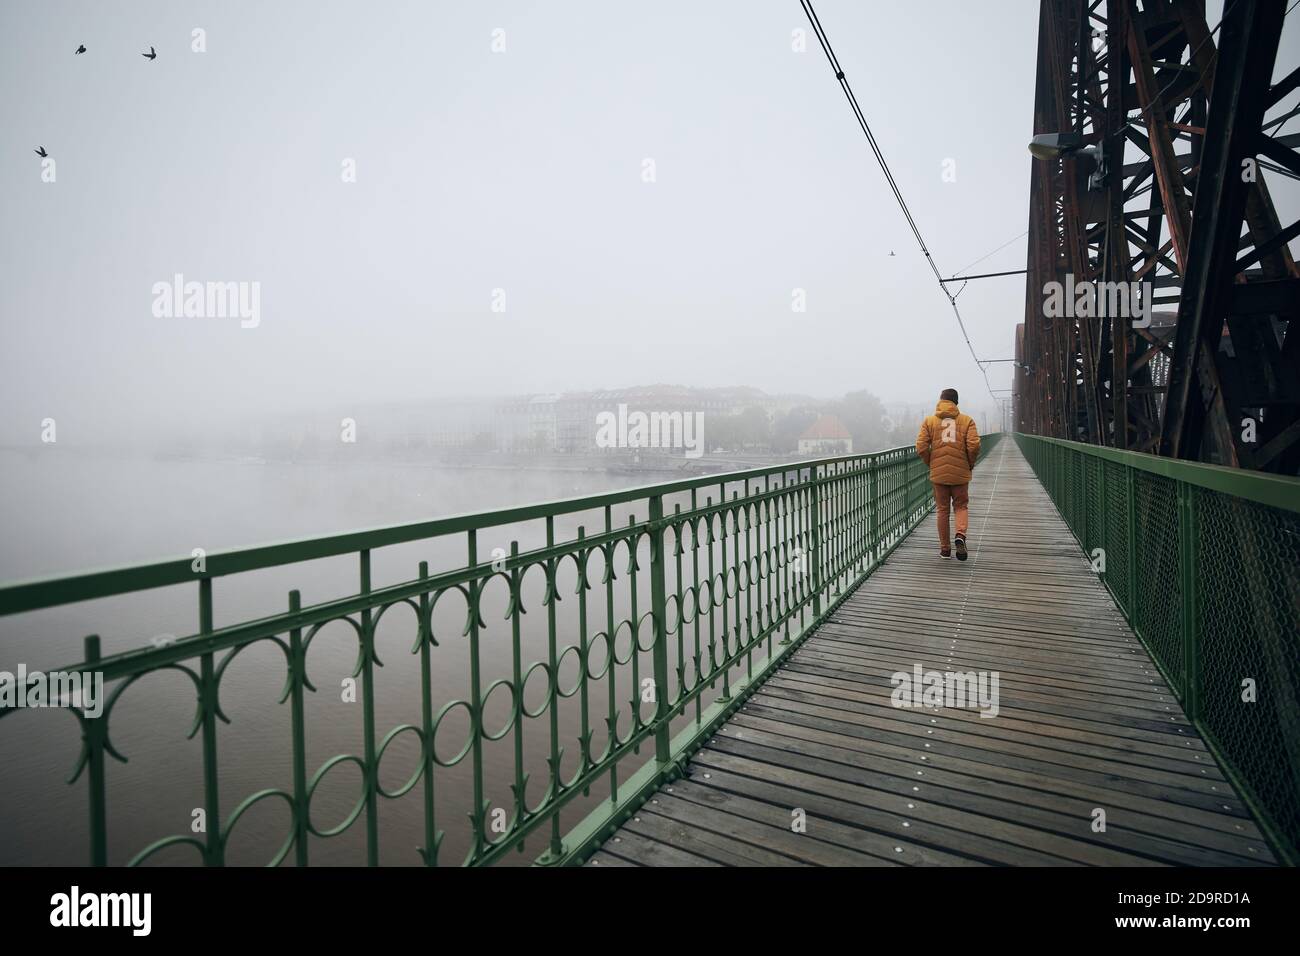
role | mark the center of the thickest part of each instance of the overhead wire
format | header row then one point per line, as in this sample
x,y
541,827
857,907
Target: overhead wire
x,y
989,254
889,179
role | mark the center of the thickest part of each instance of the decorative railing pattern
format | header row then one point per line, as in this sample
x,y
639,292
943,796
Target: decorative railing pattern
x,y
668,615
1204,561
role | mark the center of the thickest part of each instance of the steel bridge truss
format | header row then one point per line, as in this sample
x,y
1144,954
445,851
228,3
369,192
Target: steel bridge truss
x,y
1180,201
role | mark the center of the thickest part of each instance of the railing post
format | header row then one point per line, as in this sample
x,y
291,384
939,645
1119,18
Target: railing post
x,y
298,678
815,518
431,839
909,496
214,852
1058,496
1103,526
1061,484
96,735
478,816
1085,476
872,487
368,719
1130,508
556,851
1187,573
659,617
915,466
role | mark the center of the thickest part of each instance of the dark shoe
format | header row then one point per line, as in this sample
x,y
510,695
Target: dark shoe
x,y
961,548
945,552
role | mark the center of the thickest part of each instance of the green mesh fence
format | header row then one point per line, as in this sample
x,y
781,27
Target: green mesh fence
x,y
1118,556
1204,562
1156,615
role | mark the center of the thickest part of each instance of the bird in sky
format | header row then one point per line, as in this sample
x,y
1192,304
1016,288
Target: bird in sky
x,y
891,252
81,49
150,55
40,151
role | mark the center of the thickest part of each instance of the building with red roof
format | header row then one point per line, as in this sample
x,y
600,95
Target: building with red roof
x,y
826,436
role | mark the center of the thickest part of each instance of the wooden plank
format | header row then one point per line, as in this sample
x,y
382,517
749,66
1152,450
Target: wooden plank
x,y
1011,785
1067,816
826,840
978,731
1134,779
764,826
638,849
1009,728
826,800
1063,731
722,848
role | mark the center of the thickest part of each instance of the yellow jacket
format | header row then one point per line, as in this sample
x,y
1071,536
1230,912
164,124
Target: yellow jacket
x,y
949,443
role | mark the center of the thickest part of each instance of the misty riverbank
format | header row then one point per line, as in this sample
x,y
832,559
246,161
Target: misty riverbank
x,y
65,508
620,462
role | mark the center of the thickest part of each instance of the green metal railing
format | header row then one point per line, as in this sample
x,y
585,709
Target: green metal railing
x,y
738,569
1204,562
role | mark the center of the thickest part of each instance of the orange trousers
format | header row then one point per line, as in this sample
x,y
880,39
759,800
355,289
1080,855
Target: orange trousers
x,y
957,497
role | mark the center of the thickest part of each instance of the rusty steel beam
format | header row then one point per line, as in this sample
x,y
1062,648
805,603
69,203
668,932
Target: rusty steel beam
x,y
1198,412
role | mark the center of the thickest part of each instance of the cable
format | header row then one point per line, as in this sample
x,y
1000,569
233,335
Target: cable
x,y
986,255
1281,171
1282,120
889,178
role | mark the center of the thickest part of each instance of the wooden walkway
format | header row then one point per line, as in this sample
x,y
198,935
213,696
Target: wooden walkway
x,y
1085,724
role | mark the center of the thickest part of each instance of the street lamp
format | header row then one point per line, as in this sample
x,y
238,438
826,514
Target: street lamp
x,y
1057,145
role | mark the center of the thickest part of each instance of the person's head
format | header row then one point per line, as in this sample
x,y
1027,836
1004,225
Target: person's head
x,y
948,395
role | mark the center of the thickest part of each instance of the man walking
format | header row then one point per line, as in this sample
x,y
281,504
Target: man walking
x,y
949,443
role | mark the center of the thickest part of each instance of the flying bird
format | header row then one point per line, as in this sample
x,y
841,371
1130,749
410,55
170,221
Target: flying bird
x,y
150,55
891,252
41,152
81,49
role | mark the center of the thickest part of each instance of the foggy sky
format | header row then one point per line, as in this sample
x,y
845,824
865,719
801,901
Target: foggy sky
x,y
520,171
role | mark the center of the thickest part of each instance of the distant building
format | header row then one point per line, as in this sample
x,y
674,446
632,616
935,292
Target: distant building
x,y
568,423
826,436
578,413
527,423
